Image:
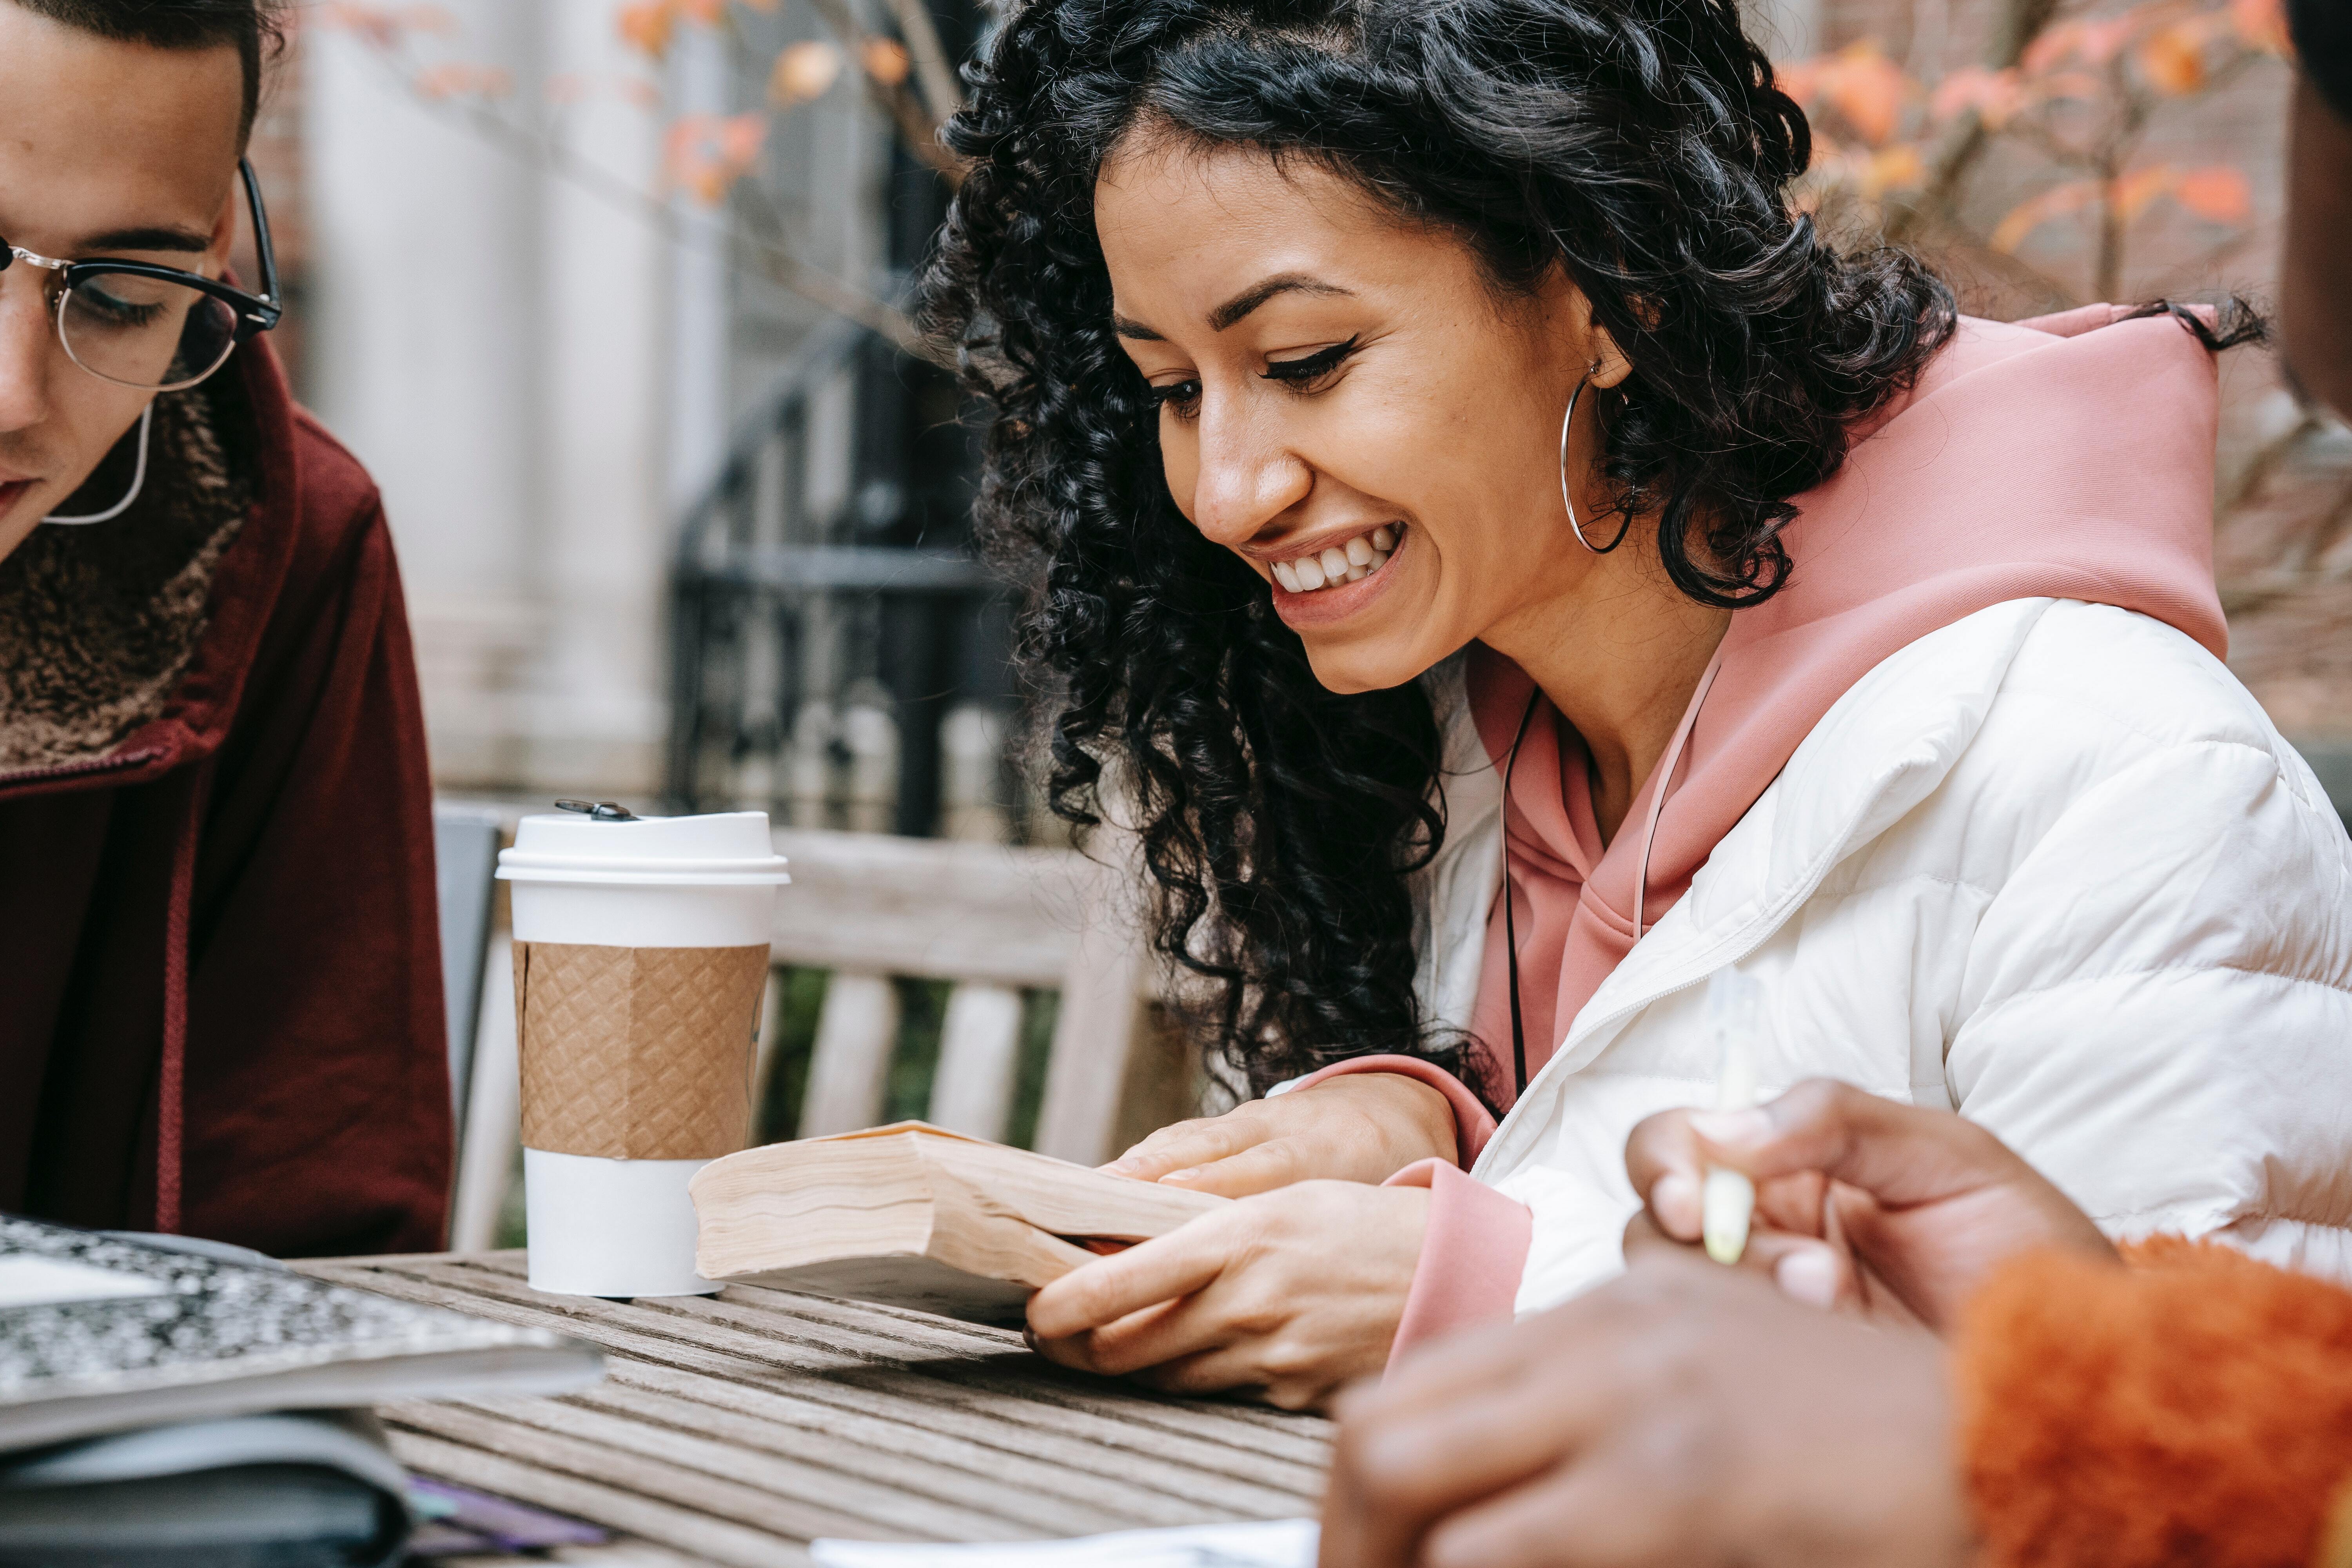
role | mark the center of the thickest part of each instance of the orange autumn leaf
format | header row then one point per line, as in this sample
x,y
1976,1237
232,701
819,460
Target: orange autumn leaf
x,y
2092,43
385,27
706,153
703,13
2260,24
2172,60
646,26
2218,194
2058,201
2051,44
1895,168
739,138
1868,90
2131,193
1800,80
885,61
457,80
804,71
1995,96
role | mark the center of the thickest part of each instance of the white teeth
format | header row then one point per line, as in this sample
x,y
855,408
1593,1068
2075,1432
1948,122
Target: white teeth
x,y
1351,561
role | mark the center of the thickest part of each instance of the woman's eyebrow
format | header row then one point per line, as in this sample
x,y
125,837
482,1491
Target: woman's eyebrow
x,y
186,241
1239,306
1258,294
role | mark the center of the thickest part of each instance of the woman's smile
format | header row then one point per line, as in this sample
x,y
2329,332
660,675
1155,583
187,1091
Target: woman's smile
x,y
1318,587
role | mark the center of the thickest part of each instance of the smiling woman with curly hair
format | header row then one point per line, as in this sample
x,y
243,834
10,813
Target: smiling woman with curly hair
x,y
1508,564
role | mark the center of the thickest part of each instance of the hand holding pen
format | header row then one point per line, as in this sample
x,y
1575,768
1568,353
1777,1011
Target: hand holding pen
x,y
1861,1203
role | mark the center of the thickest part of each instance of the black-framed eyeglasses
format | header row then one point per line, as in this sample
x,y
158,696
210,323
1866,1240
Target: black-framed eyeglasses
x,y
159,329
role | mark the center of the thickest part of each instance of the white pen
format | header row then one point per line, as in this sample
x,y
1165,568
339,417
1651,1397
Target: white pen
x,y
1734,1008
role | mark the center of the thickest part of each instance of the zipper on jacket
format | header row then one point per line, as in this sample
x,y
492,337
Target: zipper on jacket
x,y
119,762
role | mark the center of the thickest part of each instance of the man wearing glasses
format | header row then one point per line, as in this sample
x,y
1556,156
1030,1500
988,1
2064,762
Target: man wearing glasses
x,y
220,1007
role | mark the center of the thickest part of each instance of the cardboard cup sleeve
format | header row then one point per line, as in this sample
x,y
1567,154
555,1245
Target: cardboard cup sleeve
x,y
638,1053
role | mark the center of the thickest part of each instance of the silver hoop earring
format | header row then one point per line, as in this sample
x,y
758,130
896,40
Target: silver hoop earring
x,y
1565,499
138,481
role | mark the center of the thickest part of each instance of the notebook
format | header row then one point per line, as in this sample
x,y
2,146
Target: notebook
x,y
99,1333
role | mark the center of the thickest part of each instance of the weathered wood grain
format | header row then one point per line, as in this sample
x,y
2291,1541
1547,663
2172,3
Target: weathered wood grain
x,y
608,1502
732,1429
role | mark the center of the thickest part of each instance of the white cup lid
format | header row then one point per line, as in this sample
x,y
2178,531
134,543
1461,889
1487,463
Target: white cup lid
x,y
731,847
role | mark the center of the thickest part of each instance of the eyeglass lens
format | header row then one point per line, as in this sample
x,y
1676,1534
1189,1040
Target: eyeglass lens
x,y
145,331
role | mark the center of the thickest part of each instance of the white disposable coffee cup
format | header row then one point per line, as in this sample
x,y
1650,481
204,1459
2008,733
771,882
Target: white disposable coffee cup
x,y
589,893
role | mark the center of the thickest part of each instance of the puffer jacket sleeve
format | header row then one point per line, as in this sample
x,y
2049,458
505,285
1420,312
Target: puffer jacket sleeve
x,y
2155,1008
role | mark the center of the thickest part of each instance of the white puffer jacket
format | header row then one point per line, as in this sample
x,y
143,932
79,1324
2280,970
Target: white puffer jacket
x,y
2050,867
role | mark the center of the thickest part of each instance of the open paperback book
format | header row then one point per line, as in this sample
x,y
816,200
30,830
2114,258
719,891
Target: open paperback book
x,y
914,1215
99,1333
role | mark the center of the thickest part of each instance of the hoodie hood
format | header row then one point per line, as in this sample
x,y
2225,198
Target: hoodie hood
x,y
2070,456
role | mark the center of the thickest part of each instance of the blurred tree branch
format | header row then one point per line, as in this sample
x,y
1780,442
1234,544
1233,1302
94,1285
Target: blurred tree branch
x,y
918,122
2018,23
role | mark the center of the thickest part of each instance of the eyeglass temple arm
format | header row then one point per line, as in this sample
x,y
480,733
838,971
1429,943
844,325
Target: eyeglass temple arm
x,y
260,231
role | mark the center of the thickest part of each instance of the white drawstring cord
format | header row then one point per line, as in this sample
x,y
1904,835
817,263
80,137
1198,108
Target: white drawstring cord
x,y
1666,780
138,481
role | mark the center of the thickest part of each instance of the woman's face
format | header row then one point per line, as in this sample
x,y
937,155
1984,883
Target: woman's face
x,y
1348,404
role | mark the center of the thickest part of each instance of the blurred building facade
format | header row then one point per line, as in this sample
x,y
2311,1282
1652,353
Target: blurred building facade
x,y
547,353
559,361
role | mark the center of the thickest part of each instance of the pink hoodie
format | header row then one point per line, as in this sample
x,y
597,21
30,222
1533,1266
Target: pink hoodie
x,y
2066,457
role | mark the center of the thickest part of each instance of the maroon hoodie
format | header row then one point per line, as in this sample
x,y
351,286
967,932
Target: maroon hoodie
x,y
220,984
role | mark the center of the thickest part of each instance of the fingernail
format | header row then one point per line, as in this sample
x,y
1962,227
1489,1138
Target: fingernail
x,y
1808,1275
1731,1129
1185,1174
1120,1166
1674,1203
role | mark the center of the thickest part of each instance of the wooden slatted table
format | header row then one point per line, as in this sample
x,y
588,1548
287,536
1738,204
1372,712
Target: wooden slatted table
x,y
735,1428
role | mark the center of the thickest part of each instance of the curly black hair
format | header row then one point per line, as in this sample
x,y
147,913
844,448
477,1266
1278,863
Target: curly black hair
x,y
1640,144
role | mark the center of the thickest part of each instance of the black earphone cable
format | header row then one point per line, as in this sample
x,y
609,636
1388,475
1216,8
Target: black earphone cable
x,y
1510,921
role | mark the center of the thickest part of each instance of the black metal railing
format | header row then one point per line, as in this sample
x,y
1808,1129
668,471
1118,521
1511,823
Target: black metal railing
x,y
828,618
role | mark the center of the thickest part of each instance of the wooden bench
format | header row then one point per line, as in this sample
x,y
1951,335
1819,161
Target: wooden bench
x,y
991,921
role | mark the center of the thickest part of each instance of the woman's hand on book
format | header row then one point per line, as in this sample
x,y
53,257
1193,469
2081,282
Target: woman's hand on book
x,y
1861,1203
1684,1414
1357,1126
1292,1293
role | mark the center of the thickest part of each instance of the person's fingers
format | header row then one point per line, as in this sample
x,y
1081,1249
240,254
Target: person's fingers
x,y
1460,1367
1412,1458
1596,1513
1900,1153
1082,1349
1643,1234
1663,1159
1364,1523
1160,1269
1161,1333
1197,1143
1805,1267
1258,1169
1794,1203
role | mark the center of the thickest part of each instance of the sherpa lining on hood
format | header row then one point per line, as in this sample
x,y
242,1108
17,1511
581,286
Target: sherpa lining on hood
x,y
98,622
2070,456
